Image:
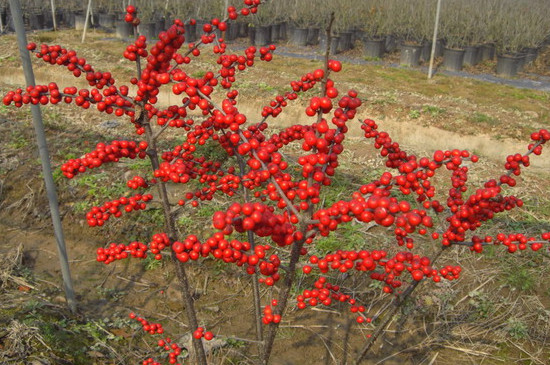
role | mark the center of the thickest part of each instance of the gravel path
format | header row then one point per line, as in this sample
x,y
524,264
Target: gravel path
x,y
542,83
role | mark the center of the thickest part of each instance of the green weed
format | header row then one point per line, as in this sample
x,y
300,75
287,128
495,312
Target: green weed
x,y
347,238
517,329
519,278
481,303
433,110
482,119
18,140
198,74
110,293
150,263
414,114
266,87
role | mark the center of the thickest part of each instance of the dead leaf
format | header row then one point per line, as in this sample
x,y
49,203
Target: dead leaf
x,y
24,288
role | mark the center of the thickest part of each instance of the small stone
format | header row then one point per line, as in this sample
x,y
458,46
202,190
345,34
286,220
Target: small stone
x,y
109,124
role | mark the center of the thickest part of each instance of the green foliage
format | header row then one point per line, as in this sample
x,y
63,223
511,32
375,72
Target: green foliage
x,y
482,306
266,87
139,164
17,140
198,74
211,151
150,263
414,114
206,210
100,187
110,293
348,237
481,118
519,278
517,329
433,110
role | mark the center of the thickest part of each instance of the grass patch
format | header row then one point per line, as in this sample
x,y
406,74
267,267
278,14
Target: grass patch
x,y
519,278
433,110
480,118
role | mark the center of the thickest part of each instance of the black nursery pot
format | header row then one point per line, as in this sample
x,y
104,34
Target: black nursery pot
x,y
374,48
299,37
410,55
453,59
508,65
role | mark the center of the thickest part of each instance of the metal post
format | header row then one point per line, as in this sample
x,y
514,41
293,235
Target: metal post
x,y
15,8
87,20
53,15
434,40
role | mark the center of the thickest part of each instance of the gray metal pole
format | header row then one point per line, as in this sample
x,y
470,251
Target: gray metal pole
x,y
434,40
87,20
15,8
53,15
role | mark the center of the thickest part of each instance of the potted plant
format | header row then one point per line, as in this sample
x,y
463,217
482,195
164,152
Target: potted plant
x,y
374,27
536,24
262,22
305,23
517,25
408,18
349,18
454,29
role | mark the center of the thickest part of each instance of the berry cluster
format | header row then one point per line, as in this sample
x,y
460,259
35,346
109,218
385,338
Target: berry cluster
x,y
151,328
104,153
269,316
200,333
233,251
135,249
97,216
326,294
137,182
172,348
131,15
136,49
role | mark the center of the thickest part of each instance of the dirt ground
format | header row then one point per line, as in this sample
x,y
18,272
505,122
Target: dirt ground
x,y
498,312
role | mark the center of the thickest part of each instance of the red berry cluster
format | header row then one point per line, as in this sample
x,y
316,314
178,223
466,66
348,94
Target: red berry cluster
x,y
201,333
135,249
326,294
283,205
540,137
104,153
233,251
136,49
378,207
157,70
173,349
269,316
251,6
257,218
97,216
151,328
513,241
392,268
232,63
57,55
131,15
110,100
137,182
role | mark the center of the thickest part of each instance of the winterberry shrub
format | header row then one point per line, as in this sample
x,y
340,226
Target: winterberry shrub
x,y
276,202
